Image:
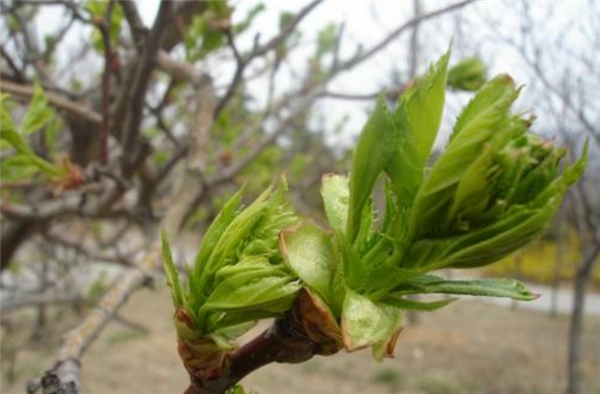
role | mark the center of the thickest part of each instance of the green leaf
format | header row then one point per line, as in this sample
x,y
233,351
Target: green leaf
x,y
171,271
237,230
430,284
473,191
558,188
537,179
215,232
481,119
8,131
418,117
365,323
51,132
9,134
264,240
229,333
38,113
404,304
354,272
253,285
307,250
385,277
375,145
486,245
14,139
336,197
17,167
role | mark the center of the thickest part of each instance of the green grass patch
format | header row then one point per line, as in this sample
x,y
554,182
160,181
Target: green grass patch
x,y
439,386
391,378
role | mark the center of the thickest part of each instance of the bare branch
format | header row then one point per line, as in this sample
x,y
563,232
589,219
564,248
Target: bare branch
x,y
140,84
35,300
242,63
391,94
78,340
287,30
361,57
103,27
137,28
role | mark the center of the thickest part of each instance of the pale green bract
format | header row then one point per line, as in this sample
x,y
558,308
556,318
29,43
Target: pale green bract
x,y
494,188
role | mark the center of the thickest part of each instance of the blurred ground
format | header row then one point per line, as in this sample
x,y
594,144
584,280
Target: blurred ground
x,y
468,348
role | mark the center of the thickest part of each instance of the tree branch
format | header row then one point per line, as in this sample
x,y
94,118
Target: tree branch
x,y
285,341
141,81
361,57
103,27
258,51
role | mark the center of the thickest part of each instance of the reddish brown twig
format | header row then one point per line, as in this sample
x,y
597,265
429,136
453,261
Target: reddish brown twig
x,y
284,342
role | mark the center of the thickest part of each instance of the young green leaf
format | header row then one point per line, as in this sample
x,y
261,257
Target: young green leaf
x,y
336,196
9,134
418,117
172,273
255,285
430,284
17,167
375,145
485,115
38,112
404,304
307,250
483,246
234,235
216,230
354,271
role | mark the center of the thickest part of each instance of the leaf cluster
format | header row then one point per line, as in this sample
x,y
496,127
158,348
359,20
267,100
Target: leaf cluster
x,y
494,188
23,162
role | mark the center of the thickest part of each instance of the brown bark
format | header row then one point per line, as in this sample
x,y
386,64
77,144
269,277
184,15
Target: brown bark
x,y
286,341
13,236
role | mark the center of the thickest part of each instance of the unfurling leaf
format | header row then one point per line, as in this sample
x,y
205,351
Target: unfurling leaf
x,y
418,116
375,146
25,162
171,270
